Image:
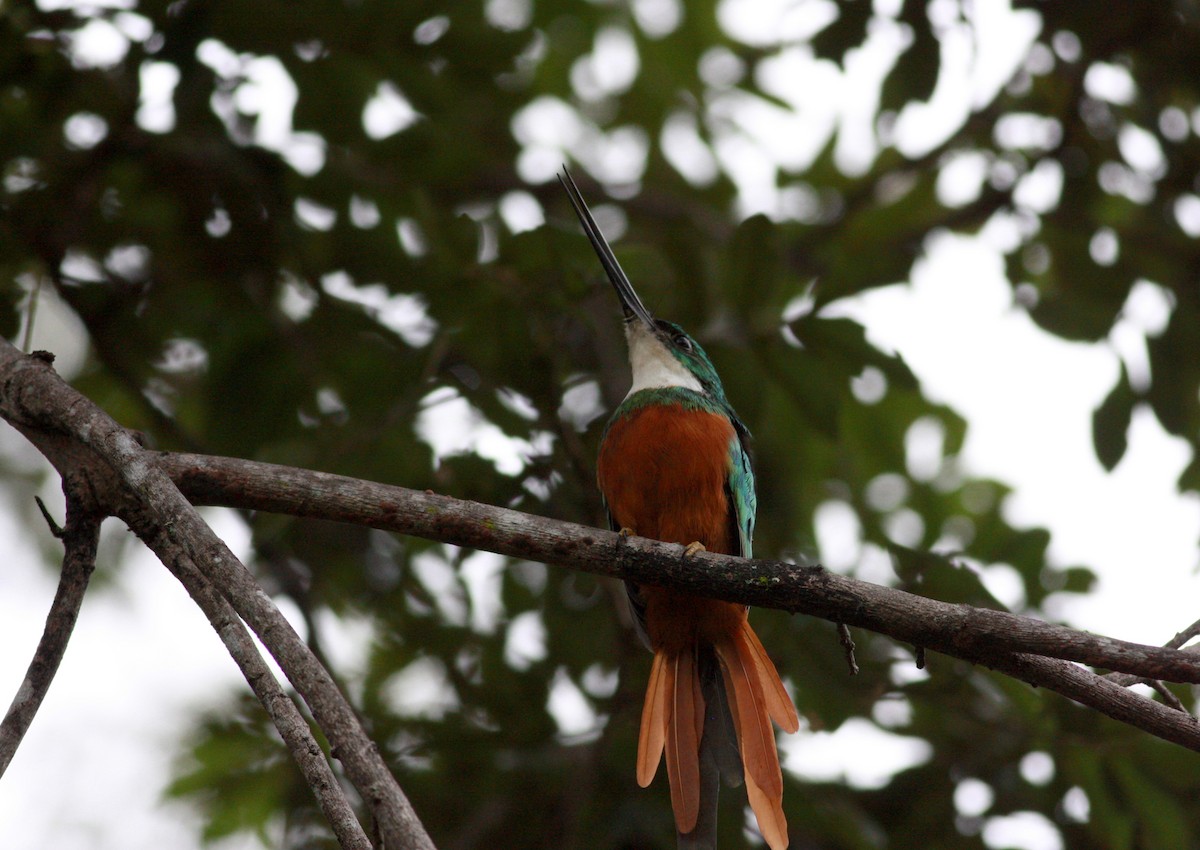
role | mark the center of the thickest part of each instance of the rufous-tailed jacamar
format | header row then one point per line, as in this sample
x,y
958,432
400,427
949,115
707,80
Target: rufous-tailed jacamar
x,y
674,466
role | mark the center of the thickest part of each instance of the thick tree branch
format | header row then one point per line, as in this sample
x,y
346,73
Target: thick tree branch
x,y
996,639
80,540
122,478
952,629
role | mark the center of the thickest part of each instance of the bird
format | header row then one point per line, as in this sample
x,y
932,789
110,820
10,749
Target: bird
x,y
674,465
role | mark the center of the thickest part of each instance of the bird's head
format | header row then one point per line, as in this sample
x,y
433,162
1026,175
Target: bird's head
x,y
661,354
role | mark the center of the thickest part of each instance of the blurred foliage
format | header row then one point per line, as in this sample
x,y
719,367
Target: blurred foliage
x,y
344,282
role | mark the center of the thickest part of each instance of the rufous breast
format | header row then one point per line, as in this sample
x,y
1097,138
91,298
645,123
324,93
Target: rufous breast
x,y
663,471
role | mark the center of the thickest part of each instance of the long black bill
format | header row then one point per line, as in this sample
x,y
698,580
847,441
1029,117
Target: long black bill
x,y
630,303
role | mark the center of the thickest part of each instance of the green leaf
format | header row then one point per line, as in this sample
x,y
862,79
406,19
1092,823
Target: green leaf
x,y
848,30
1109,821
940,577
1110,422
1175,375
237,774
916,71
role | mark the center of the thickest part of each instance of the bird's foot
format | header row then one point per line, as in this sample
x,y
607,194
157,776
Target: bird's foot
x,y
626,532
692,548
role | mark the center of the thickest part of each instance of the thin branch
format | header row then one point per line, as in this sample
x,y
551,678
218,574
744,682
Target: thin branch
x,y
350,744
1168,697
1184,636
292,726
80,540
1106,697
31,306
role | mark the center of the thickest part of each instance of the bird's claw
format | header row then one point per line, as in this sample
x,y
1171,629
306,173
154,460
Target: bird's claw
x,y
692,548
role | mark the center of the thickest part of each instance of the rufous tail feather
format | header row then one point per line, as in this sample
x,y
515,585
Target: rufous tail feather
x,y
779,704
654,722
684,727
673,723
757,696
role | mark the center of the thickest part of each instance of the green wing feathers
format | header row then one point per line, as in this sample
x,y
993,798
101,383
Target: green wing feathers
x,y
740,487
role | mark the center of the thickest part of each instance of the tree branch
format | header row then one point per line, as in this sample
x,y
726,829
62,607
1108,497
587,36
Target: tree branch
x,y
1005,642
952,629
122,479
1034,651
80,540
1096,692
292,726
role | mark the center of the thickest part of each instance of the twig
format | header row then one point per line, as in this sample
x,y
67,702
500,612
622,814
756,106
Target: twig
x,y
1184,636
55,528
35,295
291,724
847,643
80,540
1167,696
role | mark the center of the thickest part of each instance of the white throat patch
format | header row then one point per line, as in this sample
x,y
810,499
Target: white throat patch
x,y
654,366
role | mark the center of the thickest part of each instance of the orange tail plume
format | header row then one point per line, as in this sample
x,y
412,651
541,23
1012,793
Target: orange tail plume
x,y
653,733
779,704
673,722
683,742
757,696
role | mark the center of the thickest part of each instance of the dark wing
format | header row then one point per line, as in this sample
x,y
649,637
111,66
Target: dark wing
x,y
637,602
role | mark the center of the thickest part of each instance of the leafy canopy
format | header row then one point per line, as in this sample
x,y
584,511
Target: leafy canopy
x,y
325,234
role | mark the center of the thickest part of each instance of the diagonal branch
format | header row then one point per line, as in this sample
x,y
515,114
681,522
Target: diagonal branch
x,y
292,726
1107,697
122,478
1184,636
80,540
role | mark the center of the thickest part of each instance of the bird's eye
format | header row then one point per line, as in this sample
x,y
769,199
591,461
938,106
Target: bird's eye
x,y
683,343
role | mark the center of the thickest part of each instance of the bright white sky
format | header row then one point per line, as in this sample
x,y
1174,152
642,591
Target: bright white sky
x,y
89,773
